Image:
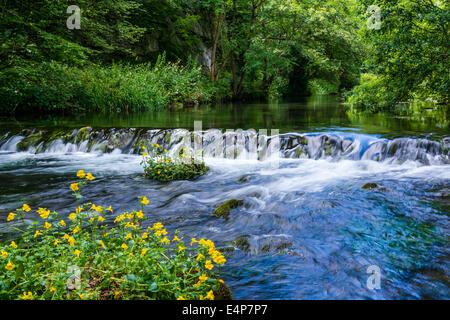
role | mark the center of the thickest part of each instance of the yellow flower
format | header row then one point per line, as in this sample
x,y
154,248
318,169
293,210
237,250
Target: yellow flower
x,y
208,265
201,297
158,226
9,266
78,209
47,225
11,216
26,207
145,154
89,176
145,235
76,230
128,236
101,219
109,209
210,295
56,242
74,187
62,223
159,172
71,241
193,240
81,174
200,256
66,236
124,246
143,147
130,254
157,145
37,233
102,243
180,248
72,216
143,252
202,278
165,240
140,214
145,201
27,296
117,294
3,254
97,208
221,281
181,298
52,289
175,239
43,213
77,252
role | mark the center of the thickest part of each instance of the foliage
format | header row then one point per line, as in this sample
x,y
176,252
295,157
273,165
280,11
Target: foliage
x,y
159,166
408,54
55,87
122,261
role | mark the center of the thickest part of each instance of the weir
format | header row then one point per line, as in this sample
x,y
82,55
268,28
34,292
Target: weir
x,y
240,144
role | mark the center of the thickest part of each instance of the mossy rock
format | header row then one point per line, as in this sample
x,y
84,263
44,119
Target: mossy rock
x,y
29,141
223,293
83,133
242,243
369,186
224,209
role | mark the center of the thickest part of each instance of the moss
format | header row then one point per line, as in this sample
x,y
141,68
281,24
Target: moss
x,y
369,186
224,209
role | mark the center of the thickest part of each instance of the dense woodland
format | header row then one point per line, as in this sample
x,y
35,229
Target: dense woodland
x,y
152,54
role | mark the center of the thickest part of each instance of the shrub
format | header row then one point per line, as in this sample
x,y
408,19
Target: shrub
x,y
122,261
159,166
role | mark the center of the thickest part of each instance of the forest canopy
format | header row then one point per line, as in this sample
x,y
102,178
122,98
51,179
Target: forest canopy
x,y
123,53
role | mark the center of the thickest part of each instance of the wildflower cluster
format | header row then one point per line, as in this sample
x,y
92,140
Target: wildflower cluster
x,y
92,254
160,166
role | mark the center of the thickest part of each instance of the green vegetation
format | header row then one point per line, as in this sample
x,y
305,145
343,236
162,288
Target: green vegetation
x,y
152,54
159,166
407,58
85,257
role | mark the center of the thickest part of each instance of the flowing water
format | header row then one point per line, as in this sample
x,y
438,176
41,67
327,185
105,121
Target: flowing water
x,y
307,229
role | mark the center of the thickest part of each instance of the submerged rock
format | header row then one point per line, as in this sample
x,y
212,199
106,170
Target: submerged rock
x,y
242,243
224,209
369,186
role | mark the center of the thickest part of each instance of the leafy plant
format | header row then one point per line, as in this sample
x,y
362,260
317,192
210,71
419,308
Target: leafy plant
x,y
159,166
94,255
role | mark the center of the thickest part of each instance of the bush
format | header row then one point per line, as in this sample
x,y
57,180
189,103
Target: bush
x,y
55,87
159,166
373,94
122,261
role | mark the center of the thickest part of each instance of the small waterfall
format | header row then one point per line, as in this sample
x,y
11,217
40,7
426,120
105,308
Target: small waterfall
x,y
229,144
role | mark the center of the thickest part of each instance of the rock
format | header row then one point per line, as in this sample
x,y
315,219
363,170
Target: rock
x,y
242,243
83,133
224,209
369,186
29,141
223,293
245,178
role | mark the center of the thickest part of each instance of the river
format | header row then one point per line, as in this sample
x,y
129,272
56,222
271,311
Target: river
x,y
307,229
